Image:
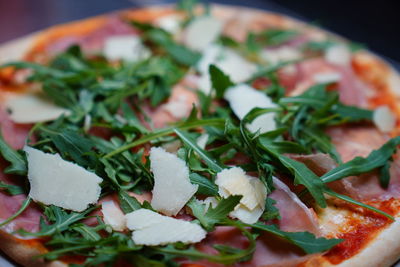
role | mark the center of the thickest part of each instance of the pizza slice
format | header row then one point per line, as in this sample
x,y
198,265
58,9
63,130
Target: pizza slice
x,y
197,136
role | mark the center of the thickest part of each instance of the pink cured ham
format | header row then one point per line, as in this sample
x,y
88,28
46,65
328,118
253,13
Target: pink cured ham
x,y
92,42
356,141
15,136
352,90
290,206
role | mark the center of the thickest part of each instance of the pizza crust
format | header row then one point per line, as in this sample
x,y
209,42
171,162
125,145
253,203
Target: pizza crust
x,y
22,253
383,250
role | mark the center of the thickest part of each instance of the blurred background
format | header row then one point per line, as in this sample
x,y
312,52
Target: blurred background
x,y
374,23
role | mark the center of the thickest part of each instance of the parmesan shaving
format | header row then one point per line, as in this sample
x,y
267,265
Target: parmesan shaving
x,y
55,181
202,140
125,47
33,107
229,61
113,215
153,229
170,23
242,98
281,54
384,119
338,55
234,181
172,187
327,77
201,32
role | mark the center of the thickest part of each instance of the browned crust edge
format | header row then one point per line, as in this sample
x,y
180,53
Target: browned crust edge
x,y
384,250
22,253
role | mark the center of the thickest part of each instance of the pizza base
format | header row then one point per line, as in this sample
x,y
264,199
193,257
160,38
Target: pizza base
x,y
382,250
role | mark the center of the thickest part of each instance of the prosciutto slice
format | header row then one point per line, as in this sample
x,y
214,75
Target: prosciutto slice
x,y
352,91
94,40
350,142
15,136
353,141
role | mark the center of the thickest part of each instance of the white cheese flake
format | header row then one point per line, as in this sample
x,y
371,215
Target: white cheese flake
x,y
338,54
172,187
32,108
202,140
170,23
153,229
209,202
327,77
113,215
125,47
234,181
384,119
201,32
229,61
280,54
178,107
243,98
55,181
394,82
246,215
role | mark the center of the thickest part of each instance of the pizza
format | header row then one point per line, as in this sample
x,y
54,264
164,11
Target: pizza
x,y
197,135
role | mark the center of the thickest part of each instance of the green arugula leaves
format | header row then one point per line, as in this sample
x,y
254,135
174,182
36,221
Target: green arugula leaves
x,y
304,240
358,165
17,161
209,218
219,81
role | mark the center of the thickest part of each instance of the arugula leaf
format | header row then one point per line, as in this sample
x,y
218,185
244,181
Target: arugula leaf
x,y
202,153
70,143
61,221
384,174
167,131
206,186
355,202
271,212
178,52
88,233
213,215
11,189
306,177
219,80
274,37
17,161
227,256
358,165
127,202
187,6
302,174
304,240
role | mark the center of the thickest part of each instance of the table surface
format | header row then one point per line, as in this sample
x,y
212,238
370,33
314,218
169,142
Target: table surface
x,y
27,16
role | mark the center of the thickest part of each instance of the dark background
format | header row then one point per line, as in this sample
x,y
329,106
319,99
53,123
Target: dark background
x,y
375,23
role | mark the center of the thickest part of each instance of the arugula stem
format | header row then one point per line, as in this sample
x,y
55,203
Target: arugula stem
x,y
355,202
223,258
167,131
202,153
23,207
